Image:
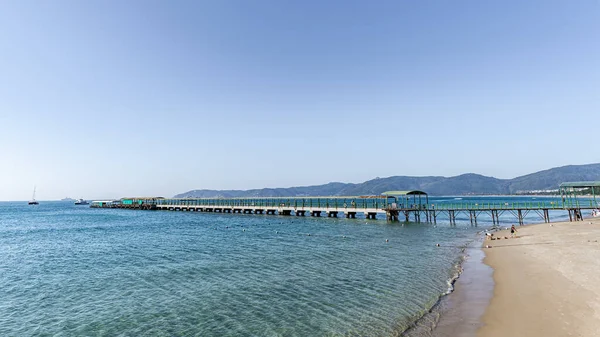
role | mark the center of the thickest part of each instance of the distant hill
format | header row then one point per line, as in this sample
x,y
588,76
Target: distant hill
x,y
464,184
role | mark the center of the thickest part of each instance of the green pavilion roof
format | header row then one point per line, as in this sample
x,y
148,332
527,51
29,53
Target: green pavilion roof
x,y
581,184
415,192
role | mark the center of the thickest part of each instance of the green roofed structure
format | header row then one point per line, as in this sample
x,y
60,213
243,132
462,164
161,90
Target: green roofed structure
x,y
570,190
403,198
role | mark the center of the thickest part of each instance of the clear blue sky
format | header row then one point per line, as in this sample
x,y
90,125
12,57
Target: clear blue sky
x,y
112,98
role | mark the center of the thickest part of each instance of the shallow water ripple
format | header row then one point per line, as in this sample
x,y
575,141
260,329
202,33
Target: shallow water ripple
x,y
68,270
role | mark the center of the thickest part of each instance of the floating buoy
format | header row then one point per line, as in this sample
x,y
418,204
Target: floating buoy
x,y
386,240
437,245
344,236
244,230
276,232
308,234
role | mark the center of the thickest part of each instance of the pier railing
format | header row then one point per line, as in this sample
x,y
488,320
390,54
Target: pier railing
x,y
583,204
350,206
348,203
312,202
514,205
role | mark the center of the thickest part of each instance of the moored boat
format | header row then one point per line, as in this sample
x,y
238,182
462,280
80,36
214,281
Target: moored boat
x,y
81,202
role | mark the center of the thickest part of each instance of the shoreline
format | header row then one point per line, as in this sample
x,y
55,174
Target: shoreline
x,y
439,320
464,307
545,281
428,321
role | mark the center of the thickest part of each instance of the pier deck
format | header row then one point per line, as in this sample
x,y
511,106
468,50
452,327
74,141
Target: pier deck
x,y
372,207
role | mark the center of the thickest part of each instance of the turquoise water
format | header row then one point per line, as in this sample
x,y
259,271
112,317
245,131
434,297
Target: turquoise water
x,y
71,270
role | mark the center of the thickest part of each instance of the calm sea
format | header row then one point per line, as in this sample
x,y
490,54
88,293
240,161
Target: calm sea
x,y
70,270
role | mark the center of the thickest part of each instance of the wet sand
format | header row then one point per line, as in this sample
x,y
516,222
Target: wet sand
x,y
547,281
462,310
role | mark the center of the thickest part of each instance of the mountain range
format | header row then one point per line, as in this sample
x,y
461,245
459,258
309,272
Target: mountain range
x,y
464,184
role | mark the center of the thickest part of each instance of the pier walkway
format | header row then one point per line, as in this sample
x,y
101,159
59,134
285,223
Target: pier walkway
x,y
393,206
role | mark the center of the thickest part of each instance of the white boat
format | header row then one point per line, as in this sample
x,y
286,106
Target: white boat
x,y
33,201
81,202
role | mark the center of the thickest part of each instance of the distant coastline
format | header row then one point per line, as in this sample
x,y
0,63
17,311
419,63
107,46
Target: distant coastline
x,y
542,183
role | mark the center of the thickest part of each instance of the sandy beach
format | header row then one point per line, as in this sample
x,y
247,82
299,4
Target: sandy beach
x,y
547,281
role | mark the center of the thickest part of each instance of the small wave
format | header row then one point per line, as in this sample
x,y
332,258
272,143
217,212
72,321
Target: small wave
x,y
429,318
458,198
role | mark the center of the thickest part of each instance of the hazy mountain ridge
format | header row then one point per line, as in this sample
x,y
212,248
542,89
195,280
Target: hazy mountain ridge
x,y
469,183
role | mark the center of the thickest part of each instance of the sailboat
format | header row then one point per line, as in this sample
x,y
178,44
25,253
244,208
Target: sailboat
x,y
33,201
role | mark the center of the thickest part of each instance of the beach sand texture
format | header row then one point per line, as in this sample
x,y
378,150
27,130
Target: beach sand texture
x,y
547,281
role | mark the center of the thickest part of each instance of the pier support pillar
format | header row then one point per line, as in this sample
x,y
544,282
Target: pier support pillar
x,y
300,213
332,214
577,214
351,215
315,213
520,216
